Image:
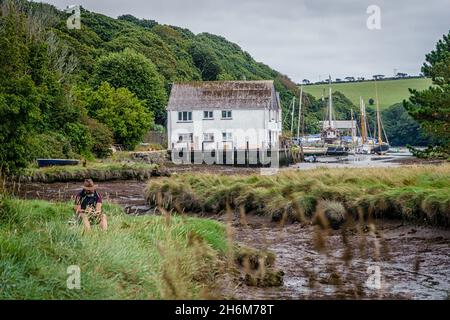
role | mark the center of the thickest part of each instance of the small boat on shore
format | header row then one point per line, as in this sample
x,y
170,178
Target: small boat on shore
x,y
56,162
380,149
314,150
337,151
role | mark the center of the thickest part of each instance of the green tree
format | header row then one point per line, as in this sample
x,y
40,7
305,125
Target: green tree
x,y
206,61
132,70
19,96
148,24
401,129
102,138
124,114
80,138
431,107
50,145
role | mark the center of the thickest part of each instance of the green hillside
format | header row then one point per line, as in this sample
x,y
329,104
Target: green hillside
x,y
390,91
72,93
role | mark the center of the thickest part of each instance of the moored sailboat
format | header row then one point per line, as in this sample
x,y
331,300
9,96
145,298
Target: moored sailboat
x,y
380,147
330,134
365,145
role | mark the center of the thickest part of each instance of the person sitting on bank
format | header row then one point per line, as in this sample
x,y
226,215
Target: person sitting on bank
x,y
88,206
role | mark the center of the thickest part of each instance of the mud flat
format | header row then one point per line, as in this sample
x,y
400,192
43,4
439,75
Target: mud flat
x,y
414,262
128,194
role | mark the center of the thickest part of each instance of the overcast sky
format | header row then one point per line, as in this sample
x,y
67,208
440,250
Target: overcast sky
x,y
305,38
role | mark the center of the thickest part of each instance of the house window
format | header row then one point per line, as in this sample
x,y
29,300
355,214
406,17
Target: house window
x,y
185,137
208,115
227,136
185,116
208,137
226,114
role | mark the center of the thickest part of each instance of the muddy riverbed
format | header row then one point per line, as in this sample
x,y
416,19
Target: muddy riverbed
x,y
413,261
410,262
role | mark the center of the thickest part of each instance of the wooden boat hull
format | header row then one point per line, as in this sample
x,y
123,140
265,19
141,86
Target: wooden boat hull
x,y
56,162
314,151
380,149
337,151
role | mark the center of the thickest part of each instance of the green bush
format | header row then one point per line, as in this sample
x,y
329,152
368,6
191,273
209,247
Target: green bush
x,y
50,145
121,111
432,152
102,138
80,138
132,70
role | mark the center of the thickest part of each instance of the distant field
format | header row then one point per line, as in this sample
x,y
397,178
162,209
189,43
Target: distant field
x,y
389,91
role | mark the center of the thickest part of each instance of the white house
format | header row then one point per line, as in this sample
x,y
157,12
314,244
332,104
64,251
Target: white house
x,y
224,115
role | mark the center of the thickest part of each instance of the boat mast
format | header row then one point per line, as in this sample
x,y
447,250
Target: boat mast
x,y
292,116
330,105
380,138
303,118
353,128
299,110
363,121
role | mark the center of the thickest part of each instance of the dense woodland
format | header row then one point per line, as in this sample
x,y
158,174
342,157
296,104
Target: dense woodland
x,y
72,93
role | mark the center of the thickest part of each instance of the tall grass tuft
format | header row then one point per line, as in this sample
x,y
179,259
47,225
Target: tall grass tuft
x,y
146,257
417,193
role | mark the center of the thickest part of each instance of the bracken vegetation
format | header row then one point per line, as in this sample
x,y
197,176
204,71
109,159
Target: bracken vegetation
x,y
416,193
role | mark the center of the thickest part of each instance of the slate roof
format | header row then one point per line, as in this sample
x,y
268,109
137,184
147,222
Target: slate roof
x,y
340,124
224,95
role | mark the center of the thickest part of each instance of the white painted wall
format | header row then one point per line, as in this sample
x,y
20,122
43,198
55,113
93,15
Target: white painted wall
x,y
246,125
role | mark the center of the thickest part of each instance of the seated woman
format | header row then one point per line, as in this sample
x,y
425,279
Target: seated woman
x,y
88,206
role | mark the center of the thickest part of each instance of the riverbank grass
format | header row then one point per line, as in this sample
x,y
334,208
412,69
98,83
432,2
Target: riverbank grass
x,y
98,171
149,257
414,193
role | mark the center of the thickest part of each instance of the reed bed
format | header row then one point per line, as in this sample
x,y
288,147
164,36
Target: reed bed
x,y
96,171
413,193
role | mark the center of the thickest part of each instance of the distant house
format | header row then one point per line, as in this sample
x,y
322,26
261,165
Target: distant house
x,y
338,80
401,75
344,126
218,115
378,76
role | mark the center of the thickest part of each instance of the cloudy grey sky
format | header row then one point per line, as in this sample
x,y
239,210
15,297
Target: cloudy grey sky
x,y
305,38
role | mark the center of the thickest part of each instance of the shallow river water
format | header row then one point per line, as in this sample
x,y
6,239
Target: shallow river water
x,y
400,261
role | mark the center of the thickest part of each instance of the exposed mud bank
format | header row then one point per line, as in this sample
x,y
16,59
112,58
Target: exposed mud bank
x,y
413,261
62,174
